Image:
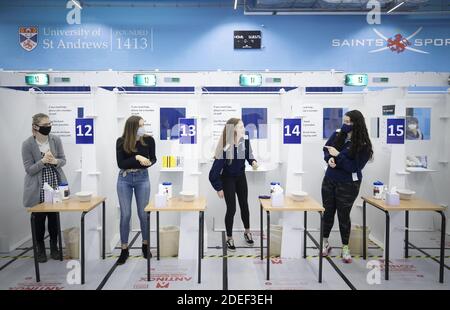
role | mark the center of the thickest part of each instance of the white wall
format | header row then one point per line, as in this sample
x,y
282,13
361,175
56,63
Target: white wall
x,y
17,107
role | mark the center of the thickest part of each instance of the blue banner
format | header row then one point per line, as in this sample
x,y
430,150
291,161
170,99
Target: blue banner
x,y
40,37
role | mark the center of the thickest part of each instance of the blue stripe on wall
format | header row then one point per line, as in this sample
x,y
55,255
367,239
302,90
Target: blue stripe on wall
x,y
68,89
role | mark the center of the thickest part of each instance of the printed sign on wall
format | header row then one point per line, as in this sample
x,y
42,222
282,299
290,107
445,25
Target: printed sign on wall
x,y
395,131
188,130
292,131
84,128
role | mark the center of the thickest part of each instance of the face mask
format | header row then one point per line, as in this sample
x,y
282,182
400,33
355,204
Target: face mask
x,y
140,132
346,128
44,130
412,126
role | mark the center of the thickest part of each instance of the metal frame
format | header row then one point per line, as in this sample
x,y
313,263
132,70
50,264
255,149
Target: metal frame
x,y
387,227
305,234
82,257
201,241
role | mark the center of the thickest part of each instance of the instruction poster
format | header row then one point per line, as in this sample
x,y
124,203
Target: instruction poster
x,y
149,113
312,123
63,117
222,112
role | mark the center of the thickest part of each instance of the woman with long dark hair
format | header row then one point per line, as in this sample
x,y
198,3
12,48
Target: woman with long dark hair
x,y
346,152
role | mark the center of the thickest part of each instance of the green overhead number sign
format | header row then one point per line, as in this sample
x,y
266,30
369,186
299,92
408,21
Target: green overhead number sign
x,y
37,79
356,79
250,79
144,80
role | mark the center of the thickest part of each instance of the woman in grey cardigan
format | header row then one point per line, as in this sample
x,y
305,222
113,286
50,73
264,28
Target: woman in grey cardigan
x,y
43,156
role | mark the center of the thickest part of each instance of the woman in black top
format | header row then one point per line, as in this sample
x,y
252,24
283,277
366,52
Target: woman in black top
x,y
135,152
346,153
227,176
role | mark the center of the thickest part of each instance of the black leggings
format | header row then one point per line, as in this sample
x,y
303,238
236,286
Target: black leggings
x,y
338,196
40,227
233,186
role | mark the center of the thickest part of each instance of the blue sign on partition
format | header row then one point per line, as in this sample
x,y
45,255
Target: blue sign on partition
x,y
395,131
292,131
84,131
188,130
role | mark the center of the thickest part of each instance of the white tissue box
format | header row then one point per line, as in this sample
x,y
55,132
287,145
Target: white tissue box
x,y
277,199
48,196
392,199
160,201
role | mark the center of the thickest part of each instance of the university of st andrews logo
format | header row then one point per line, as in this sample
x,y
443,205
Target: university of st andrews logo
x,y
28,38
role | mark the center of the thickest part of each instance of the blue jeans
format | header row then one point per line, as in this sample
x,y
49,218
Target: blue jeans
x,y
140,183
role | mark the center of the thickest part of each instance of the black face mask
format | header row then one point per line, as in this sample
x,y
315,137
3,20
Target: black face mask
x,y
44,130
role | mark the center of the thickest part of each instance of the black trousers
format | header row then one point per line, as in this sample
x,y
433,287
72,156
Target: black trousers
x,y
338,196
233,186
52,227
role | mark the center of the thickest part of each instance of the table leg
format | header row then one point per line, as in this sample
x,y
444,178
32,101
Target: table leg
x,y
157,234
305,232
443,228
261,228
364,231
199,246
58,222
35,252
268,245
386,258
320,247
82,257
406,233
103,229
148,251
203,234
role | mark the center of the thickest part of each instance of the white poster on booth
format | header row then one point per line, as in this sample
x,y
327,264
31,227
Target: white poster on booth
x,y
149,113
312,123
63,121
222,112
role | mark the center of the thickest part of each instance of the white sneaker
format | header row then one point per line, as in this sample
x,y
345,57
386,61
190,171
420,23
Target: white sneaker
x,y
346,257
230,245
326,249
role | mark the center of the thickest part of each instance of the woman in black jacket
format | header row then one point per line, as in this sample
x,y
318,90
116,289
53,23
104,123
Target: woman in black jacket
x,y
346,153
227,176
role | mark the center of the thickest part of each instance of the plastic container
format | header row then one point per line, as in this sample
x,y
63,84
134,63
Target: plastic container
x,y
64,190
167,189
160,200
272,186
378,190
169,241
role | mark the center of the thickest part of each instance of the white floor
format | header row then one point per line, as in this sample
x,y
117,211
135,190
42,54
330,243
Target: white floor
x,y
244,268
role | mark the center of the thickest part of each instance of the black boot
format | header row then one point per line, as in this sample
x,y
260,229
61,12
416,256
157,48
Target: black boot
x,y
144,251
123,257
41,255
54,252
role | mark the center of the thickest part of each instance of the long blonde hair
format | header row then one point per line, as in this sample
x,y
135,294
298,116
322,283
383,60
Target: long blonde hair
x,y
129,135
226,141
